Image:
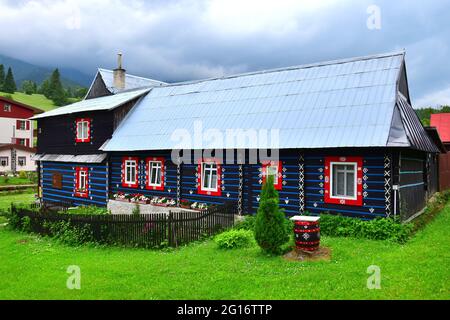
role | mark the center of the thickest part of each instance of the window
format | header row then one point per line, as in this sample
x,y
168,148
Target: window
x,y
83,128
343,180
273,168
155,173
4,161
210,180
21,125
82,182
343,183
22,161
57,180
7,108
130,172
21,142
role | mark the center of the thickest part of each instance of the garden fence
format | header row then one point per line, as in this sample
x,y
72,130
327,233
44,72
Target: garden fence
x,y
146,230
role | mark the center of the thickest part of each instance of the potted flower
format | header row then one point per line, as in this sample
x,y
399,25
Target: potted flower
x,y
186,204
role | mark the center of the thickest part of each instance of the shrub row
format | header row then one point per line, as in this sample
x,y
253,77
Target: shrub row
x,y
378,229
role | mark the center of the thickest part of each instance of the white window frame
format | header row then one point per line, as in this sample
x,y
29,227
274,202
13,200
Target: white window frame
x,y
7,108
355,167
209,188
83,131
132,164
275,175
24,161
159,168
82,177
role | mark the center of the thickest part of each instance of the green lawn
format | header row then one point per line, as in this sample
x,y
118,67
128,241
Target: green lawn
x,y
14,181
35,268
35,100
6,200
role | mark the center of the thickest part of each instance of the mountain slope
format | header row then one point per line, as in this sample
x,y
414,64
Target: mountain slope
x,y
27,71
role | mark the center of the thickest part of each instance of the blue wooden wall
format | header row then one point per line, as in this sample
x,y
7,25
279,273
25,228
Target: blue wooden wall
x,y
300,169
170,170
98,180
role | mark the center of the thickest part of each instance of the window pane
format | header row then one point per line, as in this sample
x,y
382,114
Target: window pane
x,y
214,180
350,184
206,179
340,183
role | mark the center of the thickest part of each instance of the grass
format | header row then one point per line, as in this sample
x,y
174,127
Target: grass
x,y
35,268
14,197
14,181
35,100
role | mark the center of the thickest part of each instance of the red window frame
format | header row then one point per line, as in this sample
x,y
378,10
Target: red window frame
x,y
89,122
128,185
200,190
279,164
78,192
19,125
359,181
147,173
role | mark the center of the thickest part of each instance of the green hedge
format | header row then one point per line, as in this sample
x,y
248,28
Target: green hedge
x,y
378,229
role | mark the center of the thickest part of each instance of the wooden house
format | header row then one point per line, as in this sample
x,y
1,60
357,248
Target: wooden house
x,y
344,139
441,122
16,136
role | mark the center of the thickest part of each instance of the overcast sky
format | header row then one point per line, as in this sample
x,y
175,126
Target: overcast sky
x,y
175,40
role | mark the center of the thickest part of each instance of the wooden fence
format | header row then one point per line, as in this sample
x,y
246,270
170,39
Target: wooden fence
x,y
146,230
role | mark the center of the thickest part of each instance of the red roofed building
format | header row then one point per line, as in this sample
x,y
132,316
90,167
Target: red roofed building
x,y
441,121
16,136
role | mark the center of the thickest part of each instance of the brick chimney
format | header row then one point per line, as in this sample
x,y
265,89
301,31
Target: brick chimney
x,y
119,74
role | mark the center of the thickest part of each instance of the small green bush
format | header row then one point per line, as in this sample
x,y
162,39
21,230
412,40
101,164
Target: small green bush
x,y
248,223
23,175
378,229
64,232
233,239
136,210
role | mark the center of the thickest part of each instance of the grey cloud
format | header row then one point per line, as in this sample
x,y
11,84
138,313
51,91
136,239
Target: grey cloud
x,y
183,40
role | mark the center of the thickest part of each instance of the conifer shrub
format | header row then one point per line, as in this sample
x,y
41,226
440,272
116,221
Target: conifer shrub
x,y
271,229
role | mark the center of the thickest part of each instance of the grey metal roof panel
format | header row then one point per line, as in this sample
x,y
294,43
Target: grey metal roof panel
x,y
345,103
415,132
96,104
131,81
92,158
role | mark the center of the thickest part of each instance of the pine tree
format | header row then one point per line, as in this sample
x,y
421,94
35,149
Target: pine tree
x,y
10,85
2,76
271,229
57,92
28,87
45,88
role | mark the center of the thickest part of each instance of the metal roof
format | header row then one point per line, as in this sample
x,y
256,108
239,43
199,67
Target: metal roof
x,y
343,103
131,81
415,132
87,158
97,104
